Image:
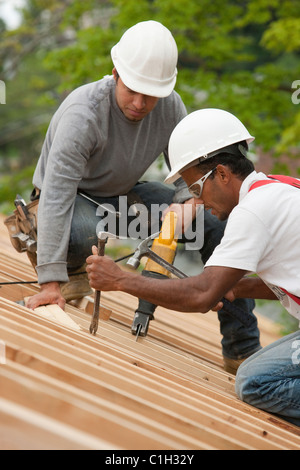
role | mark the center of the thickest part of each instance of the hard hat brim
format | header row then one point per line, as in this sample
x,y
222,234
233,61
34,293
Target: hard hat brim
x,y
200,135
175,174
172,176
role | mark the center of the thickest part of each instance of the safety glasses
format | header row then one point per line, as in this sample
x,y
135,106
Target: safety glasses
x,y
196,188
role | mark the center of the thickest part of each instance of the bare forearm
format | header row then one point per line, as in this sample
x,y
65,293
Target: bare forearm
x,y
194,294
253,288
180,295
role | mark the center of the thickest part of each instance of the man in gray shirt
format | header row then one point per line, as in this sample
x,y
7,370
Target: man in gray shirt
x,y
101,140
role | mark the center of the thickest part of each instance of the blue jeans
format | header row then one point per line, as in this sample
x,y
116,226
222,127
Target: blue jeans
x,y
270,379
238,341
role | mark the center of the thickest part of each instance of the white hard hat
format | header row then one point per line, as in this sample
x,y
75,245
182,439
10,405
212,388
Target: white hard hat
x,y
146,58
201,135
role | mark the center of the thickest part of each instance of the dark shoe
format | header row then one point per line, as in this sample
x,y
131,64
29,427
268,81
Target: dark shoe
x,y
77,287
232,365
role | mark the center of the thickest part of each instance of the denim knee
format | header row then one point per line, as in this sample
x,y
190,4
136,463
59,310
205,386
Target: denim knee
x,y
250,383
274,392
243,385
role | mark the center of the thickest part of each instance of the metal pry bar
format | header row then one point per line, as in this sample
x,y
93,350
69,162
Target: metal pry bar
x,y
96,313
102,240
138,332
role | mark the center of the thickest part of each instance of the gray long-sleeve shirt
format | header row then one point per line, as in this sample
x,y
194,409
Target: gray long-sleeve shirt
x,y
90,145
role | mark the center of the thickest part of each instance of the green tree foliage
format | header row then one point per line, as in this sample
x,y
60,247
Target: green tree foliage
x,y
30,100
240,56
243,57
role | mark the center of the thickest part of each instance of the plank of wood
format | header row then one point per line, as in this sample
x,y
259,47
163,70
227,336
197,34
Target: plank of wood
x,y
171,360
87,305
230,420
56,314
24,429
208,389
175,371
209,322
79,353
157,405
99,417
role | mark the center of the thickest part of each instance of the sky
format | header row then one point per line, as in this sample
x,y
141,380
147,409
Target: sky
x,y
8,12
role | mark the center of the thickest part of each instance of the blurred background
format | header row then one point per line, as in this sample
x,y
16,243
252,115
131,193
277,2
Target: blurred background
x,y
240,56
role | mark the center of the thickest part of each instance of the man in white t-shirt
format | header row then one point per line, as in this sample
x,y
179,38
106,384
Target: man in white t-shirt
x,y
208,149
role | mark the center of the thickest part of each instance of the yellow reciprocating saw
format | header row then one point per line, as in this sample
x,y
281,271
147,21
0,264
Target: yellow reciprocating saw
x,y
160,265
165,246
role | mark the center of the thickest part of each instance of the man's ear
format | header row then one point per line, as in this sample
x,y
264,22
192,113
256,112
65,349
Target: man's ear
x,y
115,73
222,171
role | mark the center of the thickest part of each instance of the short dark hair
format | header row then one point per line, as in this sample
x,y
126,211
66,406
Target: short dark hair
x,y
237,162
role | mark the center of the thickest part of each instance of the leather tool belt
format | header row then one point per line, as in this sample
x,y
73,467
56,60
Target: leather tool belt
x,y
22,225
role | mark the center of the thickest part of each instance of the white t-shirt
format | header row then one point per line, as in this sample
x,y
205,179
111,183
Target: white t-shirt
x,y
263,236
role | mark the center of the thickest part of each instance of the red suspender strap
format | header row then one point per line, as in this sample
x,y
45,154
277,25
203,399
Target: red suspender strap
x,y
292,296
277,179
280,179
261,183
286,179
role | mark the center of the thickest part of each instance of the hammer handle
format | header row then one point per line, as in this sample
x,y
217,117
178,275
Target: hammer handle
x,y
96,312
